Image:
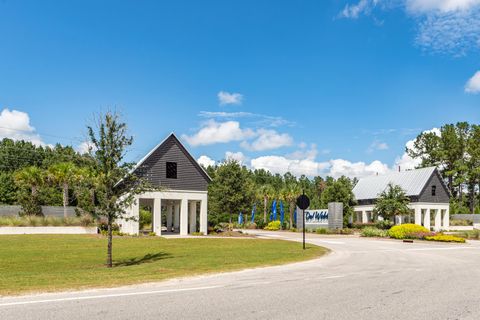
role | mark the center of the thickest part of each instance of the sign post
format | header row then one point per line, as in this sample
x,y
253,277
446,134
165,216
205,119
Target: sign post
x,y
303,202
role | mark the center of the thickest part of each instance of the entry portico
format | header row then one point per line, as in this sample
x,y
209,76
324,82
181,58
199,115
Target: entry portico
x,y
182,196
429,197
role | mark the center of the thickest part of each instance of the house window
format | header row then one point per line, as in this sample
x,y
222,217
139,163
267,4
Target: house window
x,y
171,170
434,191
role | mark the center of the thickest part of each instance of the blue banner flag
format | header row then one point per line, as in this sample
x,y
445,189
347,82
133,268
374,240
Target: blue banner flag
x,y
295,216
240,218
253,213
282,213
274,210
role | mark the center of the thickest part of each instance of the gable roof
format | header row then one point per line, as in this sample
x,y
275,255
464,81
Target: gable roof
x,y
412,182
184,150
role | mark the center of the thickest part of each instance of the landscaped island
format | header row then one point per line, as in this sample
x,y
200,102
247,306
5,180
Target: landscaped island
x,y
58,262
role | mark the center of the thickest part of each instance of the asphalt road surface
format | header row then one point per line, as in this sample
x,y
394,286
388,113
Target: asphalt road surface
x,y
360,279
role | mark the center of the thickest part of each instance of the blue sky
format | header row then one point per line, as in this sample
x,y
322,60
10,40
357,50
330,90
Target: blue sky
x,y
314,87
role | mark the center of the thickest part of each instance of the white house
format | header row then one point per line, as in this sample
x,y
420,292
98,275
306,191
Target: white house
x,y
183,185
429,197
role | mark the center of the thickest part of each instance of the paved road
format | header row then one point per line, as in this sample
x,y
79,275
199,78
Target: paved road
x,y
360,279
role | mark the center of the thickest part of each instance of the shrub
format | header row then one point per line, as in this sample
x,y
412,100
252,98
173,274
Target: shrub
x,y
359,225
469,234
445,238
458,222
260,224
197,233
321,231
384,224
373,232
403,231
145,218
293,229
273,226
251,225
420,235
152,234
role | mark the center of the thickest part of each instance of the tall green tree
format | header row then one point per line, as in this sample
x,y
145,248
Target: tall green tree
x,y
228,190
340,190
392,202
116,185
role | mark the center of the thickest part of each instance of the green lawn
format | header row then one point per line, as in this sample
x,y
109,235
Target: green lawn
x,y
59,262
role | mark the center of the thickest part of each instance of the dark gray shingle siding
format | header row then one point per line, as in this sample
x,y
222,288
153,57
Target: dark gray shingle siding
x,y
189,176
441,195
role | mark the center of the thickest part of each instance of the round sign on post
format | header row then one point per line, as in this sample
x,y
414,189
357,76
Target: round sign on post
x,y
303,202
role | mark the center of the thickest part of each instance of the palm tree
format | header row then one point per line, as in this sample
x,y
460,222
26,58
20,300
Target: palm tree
x,y
392,202
63,174
31,178
265,192
290,193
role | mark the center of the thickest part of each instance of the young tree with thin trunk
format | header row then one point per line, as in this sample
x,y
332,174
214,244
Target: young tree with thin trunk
x,y
115,185
391,203
63,174
266,192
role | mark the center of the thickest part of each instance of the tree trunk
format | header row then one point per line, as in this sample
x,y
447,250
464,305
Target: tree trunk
x,y
265,209
109,247
292,209
65,199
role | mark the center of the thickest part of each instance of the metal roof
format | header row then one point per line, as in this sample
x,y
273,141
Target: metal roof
x,y
412,182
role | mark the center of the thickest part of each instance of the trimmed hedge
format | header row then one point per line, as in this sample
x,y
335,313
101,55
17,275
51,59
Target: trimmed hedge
x,y
407,231
445,238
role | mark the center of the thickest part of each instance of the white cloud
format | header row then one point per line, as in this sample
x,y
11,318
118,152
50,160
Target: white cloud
x,y
444,26
85,147
206,161
218,132
426,6
281,165
260,120
15,125
236,156
377,145
268,140
362,7
225,98
473,84
405,162
341,167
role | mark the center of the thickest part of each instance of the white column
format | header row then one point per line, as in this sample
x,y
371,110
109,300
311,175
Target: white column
x,y
184,217
157,216
133,225
176,216
364,216
446,219
203,216
426,219
169,217
438,219
418,216
192,213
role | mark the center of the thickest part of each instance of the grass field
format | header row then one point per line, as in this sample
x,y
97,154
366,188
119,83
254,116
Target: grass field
x,y
58,262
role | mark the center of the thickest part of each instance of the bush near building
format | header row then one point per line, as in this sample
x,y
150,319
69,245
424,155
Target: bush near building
x,y
405,231
273,226
373,232
445,238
